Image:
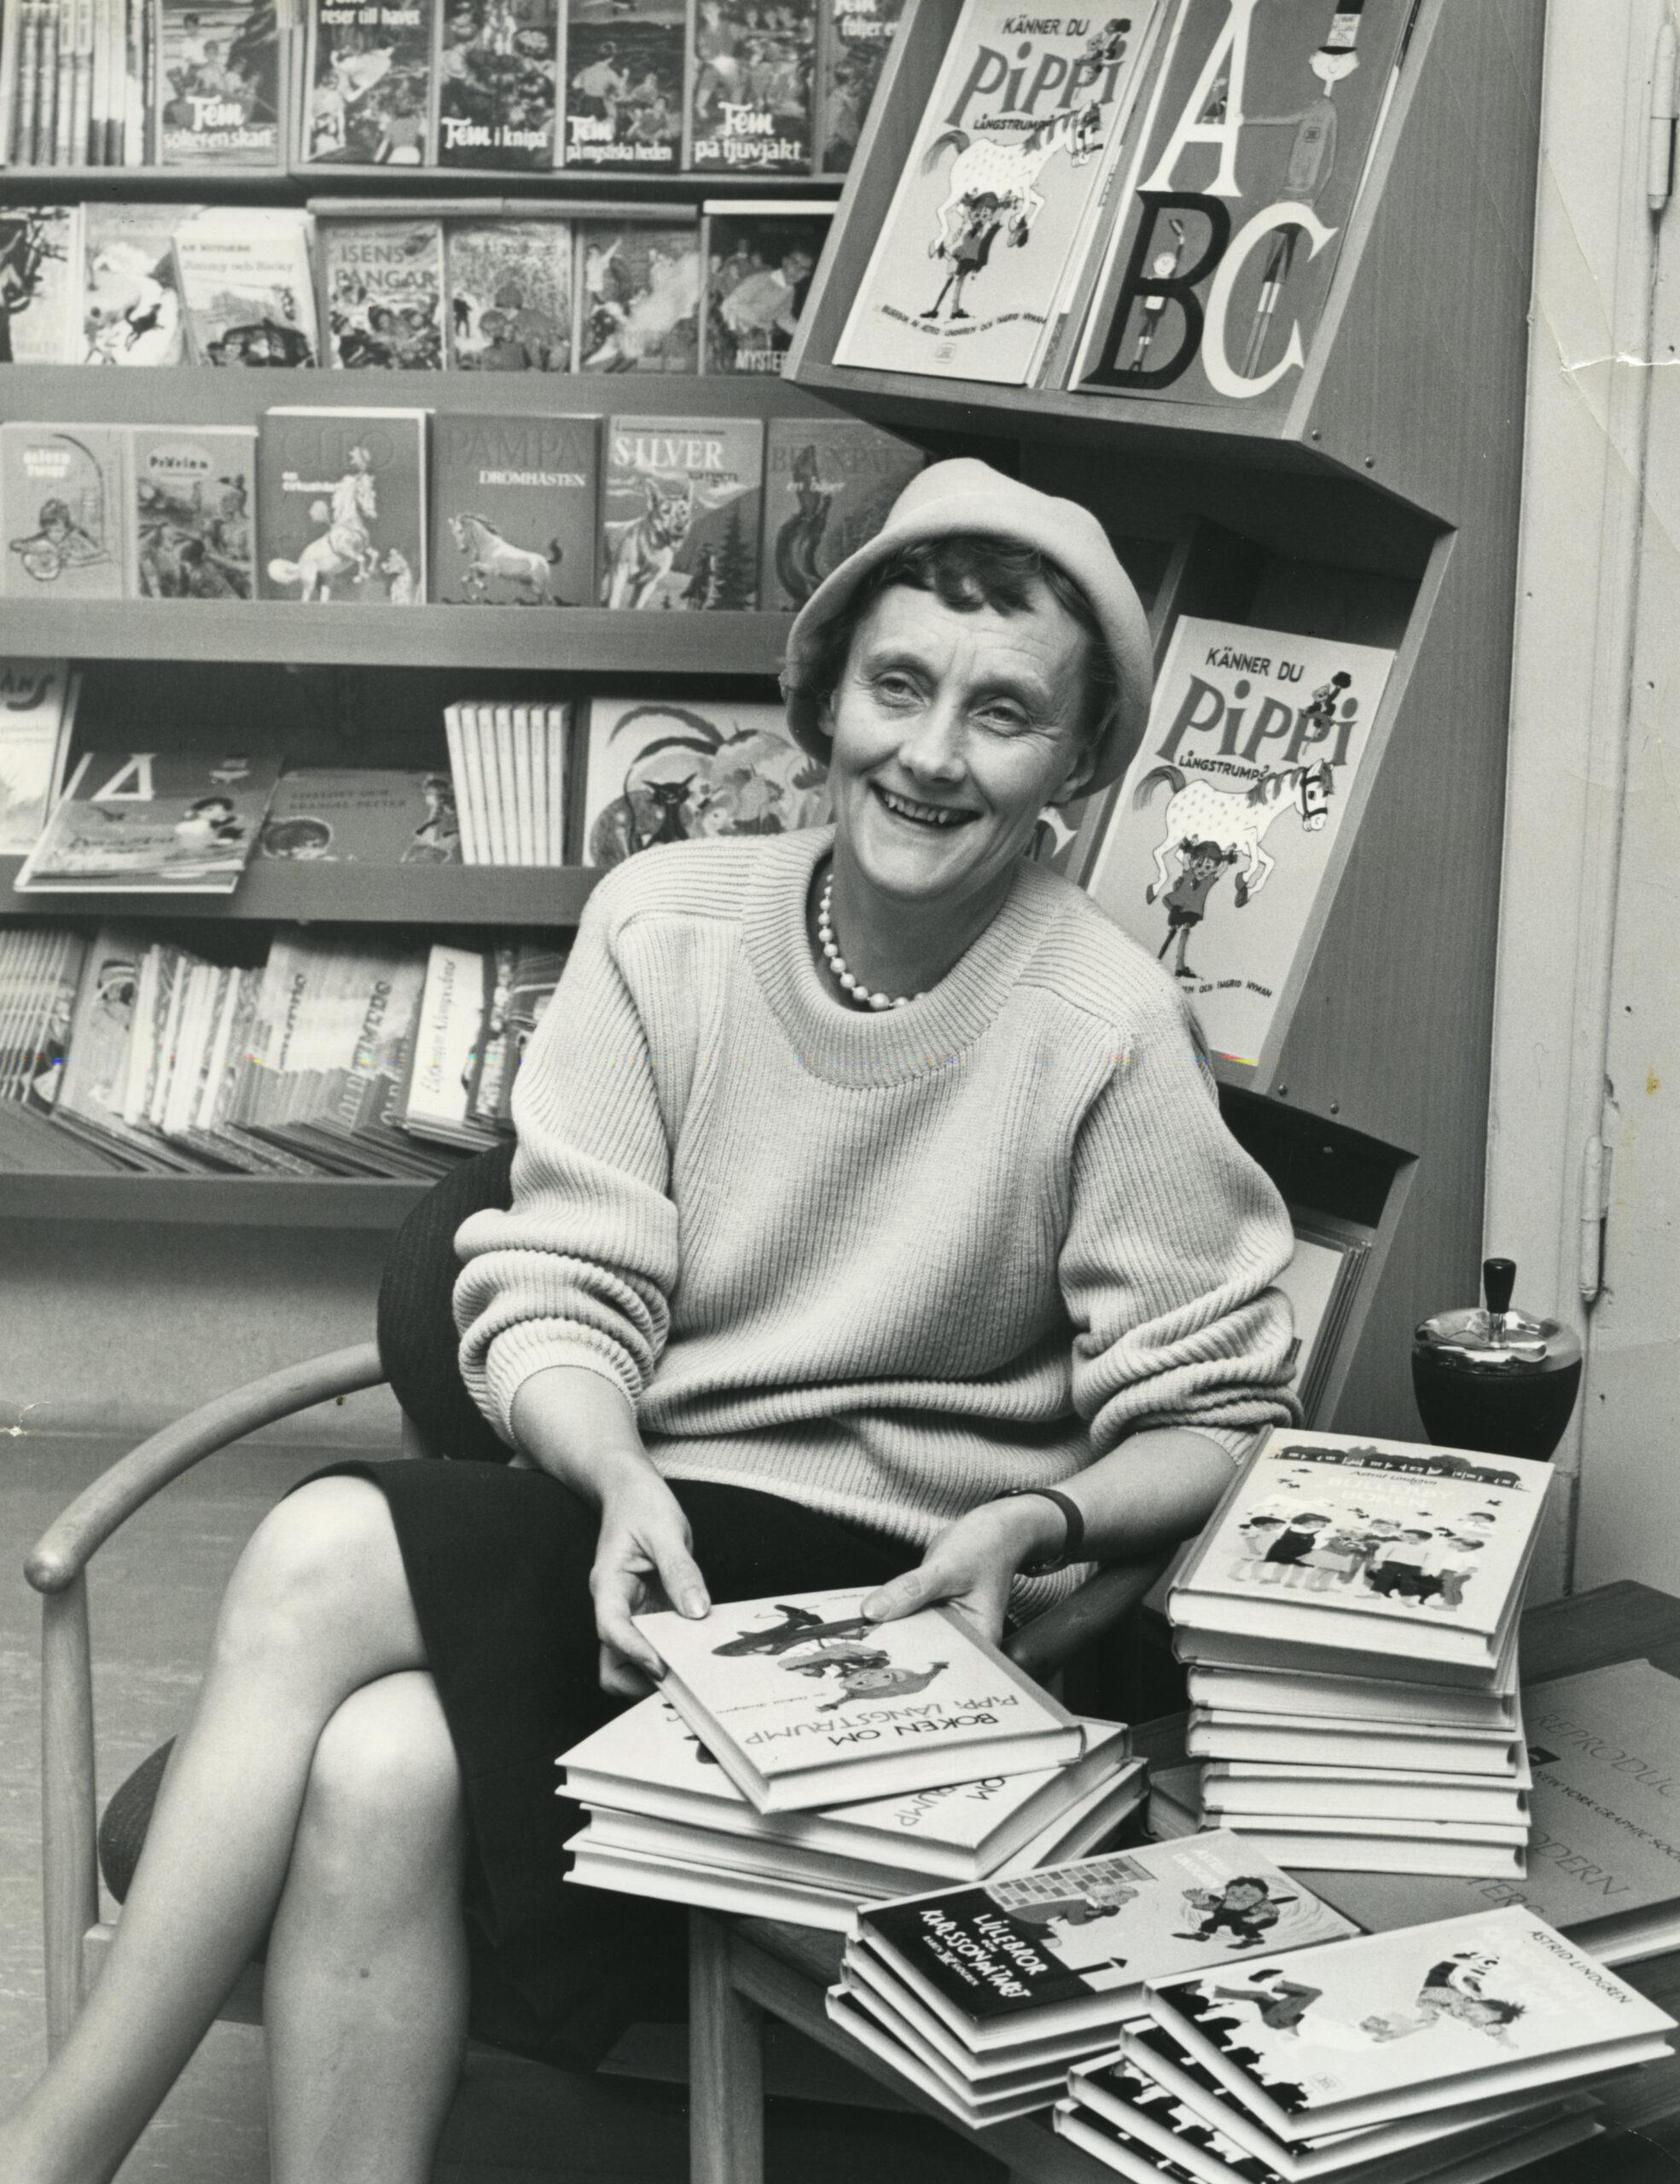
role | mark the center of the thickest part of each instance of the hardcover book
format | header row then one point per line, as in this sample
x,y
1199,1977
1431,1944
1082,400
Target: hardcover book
x,y
497,62
636,307
975,2106
829,485
509,286
383,281
131,299
41,302
853,38
680,512
806,1703
759,259
367,83
679,769
1382,2027
152,822
218,75
514,509
341,505
1224,833
1238,198
362,815
624,84
1024,117
35,701
64,500
247,288
195,497
751,88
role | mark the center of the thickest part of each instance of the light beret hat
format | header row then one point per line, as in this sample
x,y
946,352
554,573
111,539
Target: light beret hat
x,y
964,495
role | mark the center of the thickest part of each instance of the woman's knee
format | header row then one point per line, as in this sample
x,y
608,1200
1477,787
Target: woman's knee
x,y
383,1803
324,1548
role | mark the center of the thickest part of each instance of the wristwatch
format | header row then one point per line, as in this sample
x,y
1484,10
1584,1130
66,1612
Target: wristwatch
x,y
1072,1517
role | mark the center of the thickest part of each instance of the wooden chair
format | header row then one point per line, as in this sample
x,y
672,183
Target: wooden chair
x,y
740,1970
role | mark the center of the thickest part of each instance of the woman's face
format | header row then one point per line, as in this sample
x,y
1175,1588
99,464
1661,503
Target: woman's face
x,y
951,730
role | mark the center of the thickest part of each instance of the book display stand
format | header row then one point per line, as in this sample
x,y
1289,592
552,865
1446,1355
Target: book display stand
x,y
1372,501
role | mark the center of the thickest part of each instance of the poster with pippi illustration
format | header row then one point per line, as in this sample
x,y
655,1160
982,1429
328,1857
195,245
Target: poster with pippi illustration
x,y
1226,825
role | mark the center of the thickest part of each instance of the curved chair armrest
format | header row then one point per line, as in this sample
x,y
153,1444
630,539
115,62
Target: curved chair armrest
x,y
1044,1645
67,1545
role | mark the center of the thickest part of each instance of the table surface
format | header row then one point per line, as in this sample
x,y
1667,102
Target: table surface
x,y
1623,1622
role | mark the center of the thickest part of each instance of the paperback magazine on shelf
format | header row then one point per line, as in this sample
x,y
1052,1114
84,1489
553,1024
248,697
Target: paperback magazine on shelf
x,y
496,67
514,509
341,505
1247,167
217,74
362,815
1225,829
194,496
41,298
64,507
759,259
247,288
509,288
681,506
37,711
368,78
131,311
751,86
152,822
829,485
852,47
679,769
1024,121
638,297
806,1702
383,284
625,73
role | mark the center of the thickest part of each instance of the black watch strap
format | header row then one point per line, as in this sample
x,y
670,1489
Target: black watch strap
x,y
1072,1517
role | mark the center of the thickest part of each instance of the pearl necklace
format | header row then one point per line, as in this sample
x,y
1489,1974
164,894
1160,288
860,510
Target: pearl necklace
x,y
836,962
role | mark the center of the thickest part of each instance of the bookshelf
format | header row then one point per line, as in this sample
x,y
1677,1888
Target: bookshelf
x,y
211,1201
275,892
1378,504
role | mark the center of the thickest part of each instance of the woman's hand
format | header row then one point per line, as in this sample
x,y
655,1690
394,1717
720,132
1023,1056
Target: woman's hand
x,y
972,1562
642,1560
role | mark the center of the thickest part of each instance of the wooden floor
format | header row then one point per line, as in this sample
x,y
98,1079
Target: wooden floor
x,y
155,1592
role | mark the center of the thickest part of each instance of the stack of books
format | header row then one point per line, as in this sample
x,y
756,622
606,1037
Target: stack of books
x,y
1350,1615
509,763
984,1997
1454,2050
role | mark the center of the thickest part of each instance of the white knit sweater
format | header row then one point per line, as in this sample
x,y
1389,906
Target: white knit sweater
x,y
886,1265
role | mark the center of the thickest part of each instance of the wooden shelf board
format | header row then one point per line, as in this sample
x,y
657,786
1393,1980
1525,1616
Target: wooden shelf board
x,y
299,181
215,1201
446,895
55,184
575,641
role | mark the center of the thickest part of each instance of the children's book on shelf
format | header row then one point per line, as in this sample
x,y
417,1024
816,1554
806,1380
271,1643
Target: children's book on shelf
x,y
681,507
217,76
751,86
362,815
497,70
64,505
636,298
510,763
759,258
509,289
41,295
437,1094
806,1702
1221,840
1321,1282
131,296
367,83
677,769
341,505
1024,122
514,520
38,713
156,822
829,485
1373,2031
625,62
383,284
247,288
1237,201
195,494
853,38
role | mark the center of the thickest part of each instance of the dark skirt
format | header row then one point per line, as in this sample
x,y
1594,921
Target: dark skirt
x,y
497,1562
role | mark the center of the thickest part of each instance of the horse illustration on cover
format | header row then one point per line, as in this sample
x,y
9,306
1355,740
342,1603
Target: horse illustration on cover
x,y
802,1644
1233,821
489,554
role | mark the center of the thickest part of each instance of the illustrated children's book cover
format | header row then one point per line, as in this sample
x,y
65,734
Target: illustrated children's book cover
x,y
662,769
497,61
64,502
341,505
681,503
759,259
130,300
751,86
368,83
829,484
384,286
41,295
217,70
362,815
153,822
853,39
514,509
509,288
624,84
637,305
1238,197
1012,149
247,291
1225,827
194,505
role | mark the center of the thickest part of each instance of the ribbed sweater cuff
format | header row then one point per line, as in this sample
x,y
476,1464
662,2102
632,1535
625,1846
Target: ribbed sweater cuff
x,y
532,1347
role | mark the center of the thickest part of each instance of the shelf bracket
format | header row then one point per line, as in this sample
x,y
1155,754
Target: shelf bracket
x,y
1664,109
1595,1212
